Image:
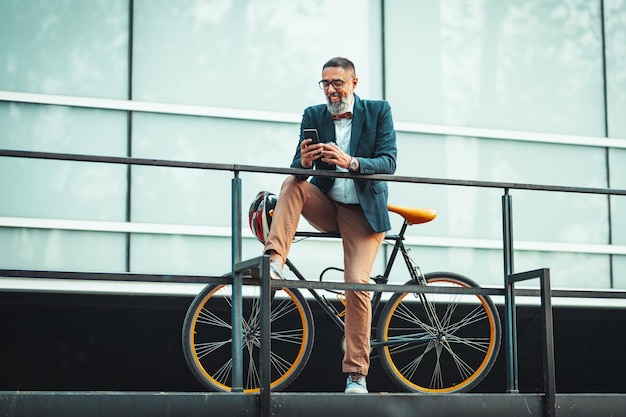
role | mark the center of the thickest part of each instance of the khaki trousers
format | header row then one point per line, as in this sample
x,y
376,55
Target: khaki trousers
x,y
360,246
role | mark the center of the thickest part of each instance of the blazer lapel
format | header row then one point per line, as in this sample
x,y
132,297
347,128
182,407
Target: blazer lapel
x,y
358,118
328,127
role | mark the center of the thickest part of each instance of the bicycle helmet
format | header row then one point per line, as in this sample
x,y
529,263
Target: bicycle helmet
x,y
260,214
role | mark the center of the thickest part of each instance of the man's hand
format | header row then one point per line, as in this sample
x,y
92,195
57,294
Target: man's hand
x,y
309,152
333,154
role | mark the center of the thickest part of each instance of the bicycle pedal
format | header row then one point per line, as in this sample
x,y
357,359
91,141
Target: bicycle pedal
x,y
342,299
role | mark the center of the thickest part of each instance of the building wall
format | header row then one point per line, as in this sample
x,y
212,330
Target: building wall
x,y
526,92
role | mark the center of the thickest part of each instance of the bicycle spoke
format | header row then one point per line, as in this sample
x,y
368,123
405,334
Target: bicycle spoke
x,y
448,314
430,311
211,319
480,344
254,318
226,295
403,312
222,375
465,370
474,316
436,379
289,336
282,309
252,379
203,349
280,363
412,366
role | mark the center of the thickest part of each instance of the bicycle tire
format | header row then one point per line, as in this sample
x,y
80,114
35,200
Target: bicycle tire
x,y
207,337
451,349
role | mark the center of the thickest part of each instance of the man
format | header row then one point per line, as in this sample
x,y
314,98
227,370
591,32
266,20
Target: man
x,y
355,136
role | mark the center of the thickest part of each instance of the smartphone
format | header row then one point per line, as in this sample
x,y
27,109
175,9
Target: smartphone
x,y
311,134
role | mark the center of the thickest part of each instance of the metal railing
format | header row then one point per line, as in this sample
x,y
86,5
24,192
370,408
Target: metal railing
x,y
238,265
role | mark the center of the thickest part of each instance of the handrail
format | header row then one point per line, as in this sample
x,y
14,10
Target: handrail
x,y
305,285
320,173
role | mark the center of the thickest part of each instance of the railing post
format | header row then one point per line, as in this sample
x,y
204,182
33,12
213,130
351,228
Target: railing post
x,y
266,347
236,318
510,328
549,378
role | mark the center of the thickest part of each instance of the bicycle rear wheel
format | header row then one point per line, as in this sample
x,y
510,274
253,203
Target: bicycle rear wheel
x,y
207,337
439,343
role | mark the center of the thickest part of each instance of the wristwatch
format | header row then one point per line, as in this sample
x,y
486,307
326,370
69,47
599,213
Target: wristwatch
x,y
353,165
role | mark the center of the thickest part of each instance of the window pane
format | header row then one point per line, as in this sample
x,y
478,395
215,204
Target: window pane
x,y
180,196
619,272
615,16
617,162
534,66
560,217
42,128
190,255
70,47
469,158
62,190
248,54
61,250
567,270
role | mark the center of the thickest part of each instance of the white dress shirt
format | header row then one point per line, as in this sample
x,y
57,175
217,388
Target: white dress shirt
x,y
343,190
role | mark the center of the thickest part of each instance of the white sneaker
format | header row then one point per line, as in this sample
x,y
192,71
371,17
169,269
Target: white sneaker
x,y
276,271
356,387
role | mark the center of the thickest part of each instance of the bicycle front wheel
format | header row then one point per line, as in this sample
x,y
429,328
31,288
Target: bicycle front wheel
x,y
207,337
437,342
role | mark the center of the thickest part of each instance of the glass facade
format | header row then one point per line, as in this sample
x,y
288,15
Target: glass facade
x,y
528,66
71,48
227,81
246,54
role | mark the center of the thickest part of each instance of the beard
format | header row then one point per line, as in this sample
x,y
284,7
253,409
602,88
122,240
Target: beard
x,y
337,108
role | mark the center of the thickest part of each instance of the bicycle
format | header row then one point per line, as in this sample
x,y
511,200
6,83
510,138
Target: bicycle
x,y
429,342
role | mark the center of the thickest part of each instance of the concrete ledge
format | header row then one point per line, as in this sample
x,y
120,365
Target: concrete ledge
x,y
173,404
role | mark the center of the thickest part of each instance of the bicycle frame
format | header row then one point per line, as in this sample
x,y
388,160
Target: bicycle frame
x,y
398,246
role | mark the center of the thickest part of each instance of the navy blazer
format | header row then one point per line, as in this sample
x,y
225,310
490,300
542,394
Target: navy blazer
x,y
372,142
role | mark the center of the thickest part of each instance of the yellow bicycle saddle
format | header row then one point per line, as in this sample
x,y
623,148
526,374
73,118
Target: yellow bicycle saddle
x,y
414,215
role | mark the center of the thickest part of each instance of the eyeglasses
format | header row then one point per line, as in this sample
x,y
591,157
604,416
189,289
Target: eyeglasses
x,y
337,84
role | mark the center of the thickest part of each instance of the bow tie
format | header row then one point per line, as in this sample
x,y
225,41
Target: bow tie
x,y
346,115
